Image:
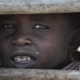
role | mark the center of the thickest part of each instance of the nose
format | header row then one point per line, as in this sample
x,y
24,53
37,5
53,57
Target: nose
x,y
22,42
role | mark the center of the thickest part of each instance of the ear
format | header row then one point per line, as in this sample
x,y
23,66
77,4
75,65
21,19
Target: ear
x,y
74,41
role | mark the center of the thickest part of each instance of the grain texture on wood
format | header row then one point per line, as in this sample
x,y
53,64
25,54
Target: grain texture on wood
x,y
35,74
38,6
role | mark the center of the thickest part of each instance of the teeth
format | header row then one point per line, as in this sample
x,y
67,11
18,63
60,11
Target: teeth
x,y
17,58
22,58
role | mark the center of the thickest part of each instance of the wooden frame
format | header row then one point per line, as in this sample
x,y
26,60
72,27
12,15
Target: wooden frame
x,y
36,74
38,6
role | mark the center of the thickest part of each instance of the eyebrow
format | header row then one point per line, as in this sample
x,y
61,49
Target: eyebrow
x,y
6,17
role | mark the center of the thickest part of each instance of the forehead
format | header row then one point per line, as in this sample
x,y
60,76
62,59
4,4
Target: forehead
x,y
36,17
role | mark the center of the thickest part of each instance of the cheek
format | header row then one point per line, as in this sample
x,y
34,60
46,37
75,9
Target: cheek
x,y
5,46
53,48
46,50
48,54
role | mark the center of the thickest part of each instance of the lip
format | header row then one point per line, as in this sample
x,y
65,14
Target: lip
x,y
22,53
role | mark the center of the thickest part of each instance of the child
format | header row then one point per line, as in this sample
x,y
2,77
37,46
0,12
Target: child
x,y
39,41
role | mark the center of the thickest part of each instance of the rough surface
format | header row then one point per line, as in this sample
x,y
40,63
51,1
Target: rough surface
x,y
35,74
38,6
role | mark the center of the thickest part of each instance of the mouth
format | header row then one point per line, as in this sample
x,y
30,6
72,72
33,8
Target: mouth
x,y
22,59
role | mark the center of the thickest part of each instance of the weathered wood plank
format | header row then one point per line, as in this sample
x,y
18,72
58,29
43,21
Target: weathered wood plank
x,y
38,6
35,74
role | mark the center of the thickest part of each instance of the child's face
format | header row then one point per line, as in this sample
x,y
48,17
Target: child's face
x,y
34,41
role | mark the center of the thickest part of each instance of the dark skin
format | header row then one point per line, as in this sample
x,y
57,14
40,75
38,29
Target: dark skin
x,y
43,38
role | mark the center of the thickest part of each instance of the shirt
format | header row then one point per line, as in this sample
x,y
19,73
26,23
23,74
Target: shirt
x,y
75,65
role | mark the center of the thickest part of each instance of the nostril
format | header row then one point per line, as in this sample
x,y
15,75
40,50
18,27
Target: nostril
x,y
28,42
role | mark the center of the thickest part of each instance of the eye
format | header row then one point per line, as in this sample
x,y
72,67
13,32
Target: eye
x,y
7,26
39,26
